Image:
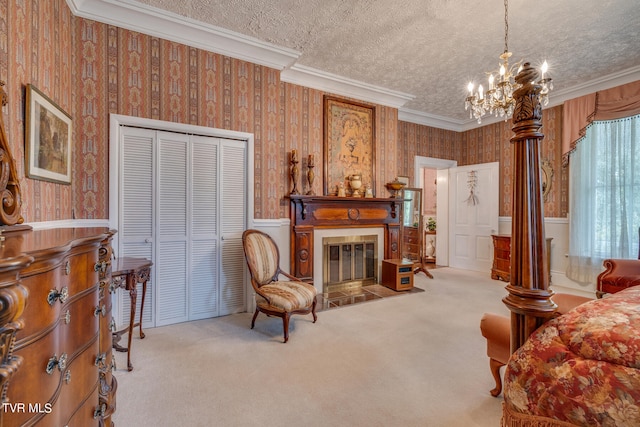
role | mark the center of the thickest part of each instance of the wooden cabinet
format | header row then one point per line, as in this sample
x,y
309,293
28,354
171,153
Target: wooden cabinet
x,y
411,243
501,269
64,345
501,257
397,274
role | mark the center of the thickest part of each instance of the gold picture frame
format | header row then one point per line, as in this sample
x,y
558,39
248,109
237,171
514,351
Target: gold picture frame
x,y
349,145
48,139
404,180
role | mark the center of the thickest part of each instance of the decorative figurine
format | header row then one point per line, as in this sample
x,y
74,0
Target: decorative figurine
x,y
368,192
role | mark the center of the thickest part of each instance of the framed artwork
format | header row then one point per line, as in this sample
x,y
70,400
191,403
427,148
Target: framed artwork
x,y
404,180
48,139
349,146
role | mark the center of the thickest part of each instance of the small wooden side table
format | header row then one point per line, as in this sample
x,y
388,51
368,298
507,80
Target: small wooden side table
x,y
126,273
397,274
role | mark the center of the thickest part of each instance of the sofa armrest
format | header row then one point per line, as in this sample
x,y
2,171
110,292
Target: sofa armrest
x,y
497,330
618,274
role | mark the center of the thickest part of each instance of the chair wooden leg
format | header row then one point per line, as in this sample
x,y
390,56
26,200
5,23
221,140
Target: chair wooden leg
x,y
285,325
495,370
253,321
313,310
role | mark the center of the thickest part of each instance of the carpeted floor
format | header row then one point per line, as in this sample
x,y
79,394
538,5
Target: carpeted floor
x,y
417,359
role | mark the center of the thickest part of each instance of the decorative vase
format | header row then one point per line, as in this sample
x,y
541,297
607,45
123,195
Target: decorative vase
x,y
430,250
394,187
355,182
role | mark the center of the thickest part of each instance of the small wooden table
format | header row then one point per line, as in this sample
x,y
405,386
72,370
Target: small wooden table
x,y
126,273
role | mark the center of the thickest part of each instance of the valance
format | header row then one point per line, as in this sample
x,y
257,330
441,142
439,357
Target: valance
x,y
615,103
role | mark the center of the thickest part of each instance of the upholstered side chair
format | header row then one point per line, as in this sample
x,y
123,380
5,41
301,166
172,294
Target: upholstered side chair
x,y
497,330
275,297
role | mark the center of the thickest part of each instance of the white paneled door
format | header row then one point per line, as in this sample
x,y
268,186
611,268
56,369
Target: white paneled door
x,y
473,209
182,203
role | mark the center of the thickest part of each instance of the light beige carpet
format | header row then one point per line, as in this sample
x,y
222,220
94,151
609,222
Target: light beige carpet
x,y
413,360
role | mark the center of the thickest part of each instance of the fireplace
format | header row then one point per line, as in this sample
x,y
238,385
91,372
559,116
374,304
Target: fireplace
x,y
314,218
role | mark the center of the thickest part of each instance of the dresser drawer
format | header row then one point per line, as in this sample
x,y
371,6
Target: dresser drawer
x,y
41,314
412,249
78,272
79,382
35,385
85,414
78,323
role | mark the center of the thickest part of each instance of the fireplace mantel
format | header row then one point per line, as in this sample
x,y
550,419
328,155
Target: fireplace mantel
x,y
311,212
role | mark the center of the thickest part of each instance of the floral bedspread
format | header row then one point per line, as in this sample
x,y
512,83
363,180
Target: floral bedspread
x,y
582,367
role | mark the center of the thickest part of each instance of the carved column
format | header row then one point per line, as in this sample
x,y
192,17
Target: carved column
x,y
529,293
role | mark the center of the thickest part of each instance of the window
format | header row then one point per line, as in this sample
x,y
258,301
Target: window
x,y
604,204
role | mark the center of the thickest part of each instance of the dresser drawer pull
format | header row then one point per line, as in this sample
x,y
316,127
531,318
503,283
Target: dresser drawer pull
x,y
67,317
101,266
60,295
67,268
99,411
100,310
100,359
112,287
67,377
61,363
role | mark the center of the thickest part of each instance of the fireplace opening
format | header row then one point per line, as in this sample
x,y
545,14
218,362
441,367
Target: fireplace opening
x,y
349,262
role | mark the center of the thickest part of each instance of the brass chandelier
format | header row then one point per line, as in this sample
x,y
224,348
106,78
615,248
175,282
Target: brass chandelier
x,y
498,99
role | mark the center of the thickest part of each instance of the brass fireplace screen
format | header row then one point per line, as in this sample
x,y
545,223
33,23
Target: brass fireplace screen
x,y
349,262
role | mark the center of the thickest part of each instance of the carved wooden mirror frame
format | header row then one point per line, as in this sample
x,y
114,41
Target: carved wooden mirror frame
x,y
9,183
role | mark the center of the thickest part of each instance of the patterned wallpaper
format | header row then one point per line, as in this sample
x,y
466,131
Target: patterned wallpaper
x,y
491,143
92,69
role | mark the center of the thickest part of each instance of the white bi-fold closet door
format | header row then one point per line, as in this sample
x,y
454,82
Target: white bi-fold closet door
x,y
183,205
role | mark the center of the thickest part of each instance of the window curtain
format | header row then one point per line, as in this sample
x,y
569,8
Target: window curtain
x,y
604,197
611,104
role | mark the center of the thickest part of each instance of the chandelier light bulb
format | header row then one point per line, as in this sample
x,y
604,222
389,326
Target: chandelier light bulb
x,y
470,88
544,68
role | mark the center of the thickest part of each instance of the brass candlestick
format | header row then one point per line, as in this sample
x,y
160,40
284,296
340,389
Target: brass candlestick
x,y
294,171
310,175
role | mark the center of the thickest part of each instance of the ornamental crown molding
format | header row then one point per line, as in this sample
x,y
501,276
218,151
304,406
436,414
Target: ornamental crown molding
x,y
170,26
317,79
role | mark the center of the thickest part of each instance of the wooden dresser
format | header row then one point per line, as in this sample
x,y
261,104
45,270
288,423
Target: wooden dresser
x,y
411,243
501,269
63,340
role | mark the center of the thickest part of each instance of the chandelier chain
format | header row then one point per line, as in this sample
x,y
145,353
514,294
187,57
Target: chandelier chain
x,y
506,26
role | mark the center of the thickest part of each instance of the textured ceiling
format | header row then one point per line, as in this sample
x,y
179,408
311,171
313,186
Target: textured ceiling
x,y
431,49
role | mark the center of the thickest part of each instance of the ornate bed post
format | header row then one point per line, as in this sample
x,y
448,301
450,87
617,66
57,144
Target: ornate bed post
x,y
529,293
